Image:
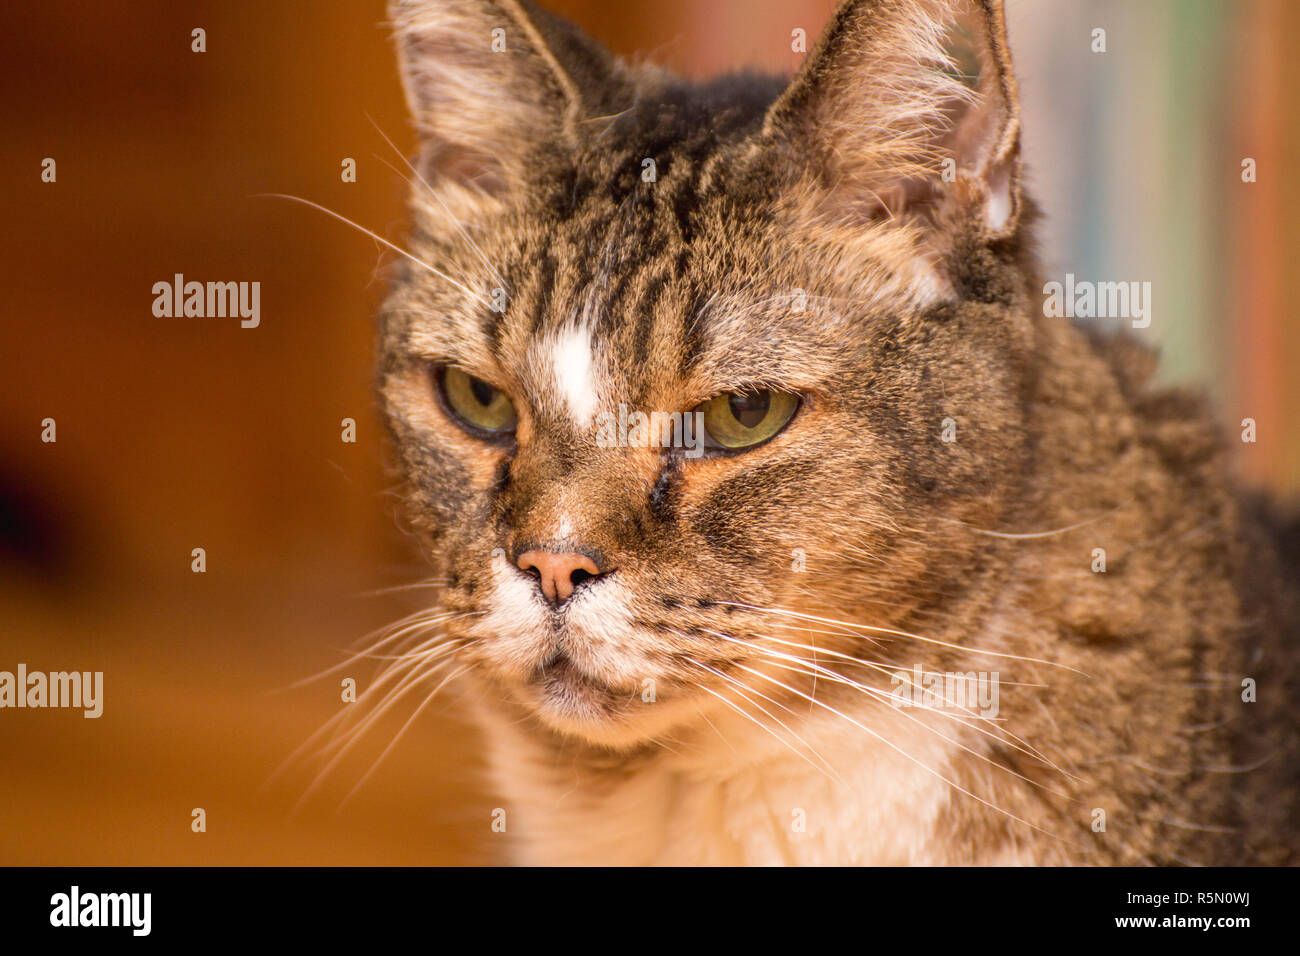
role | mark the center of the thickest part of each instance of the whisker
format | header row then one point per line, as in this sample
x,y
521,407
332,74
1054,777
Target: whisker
x,y
743,689
400,588
415,622
380,239
434,193
908,634
393,743
705,717
1027,536
883,697
777,658
345,714
353,736
757,723
928,769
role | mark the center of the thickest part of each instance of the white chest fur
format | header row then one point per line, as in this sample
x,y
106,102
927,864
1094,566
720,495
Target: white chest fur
x,y
736,797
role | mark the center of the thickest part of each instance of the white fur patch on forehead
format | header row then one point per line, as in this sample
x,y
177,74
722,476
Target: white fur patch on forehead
x,y
573,368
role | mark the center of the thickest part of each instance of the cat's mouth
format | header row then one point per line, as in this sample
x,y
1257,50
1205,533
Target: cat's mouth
x,y
560,669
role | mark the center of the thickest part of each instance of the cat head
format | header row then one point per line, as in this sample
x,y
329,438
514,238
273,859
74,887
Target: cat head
x,y
818,285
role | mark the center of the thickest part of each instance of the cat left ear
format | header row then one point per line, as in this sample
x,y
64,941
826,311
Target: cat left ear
x,y
911,108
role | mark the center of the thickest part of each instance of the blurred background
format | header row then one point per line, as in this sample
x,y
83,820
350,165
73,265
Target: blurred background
x,y
175,434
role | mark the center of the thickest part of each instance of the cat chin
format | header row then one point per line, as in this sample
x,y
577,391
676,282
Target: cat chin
x,y
617,720
579,709
610,734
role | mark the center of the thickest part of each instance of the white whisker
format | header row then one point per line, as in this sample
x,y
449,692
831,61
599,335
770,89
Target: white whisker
x,y
380,239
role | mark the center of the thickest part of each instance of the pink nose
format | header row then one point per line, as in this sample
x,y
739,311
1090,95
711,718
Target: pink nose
x,y
559,574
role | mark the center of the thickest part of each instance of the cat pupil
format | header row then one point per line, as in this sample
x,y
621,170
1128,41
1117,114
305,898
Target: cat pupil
x,y
750,410
483,392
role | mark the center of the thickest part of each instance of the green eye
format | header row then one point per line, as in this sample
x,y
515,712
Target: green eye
x,y
475,403
739,420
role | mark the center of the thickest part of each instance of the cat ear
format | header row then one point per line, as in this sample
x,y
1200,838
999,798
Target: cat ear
x,y
910,107
488,84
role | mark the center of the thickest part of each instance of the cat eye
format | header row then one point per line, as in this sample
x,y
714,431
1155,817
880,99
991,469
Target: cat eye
x,y
476,405
737,421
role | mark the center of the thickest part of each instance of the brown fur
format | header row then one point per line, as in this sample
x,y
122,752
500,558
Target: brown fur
x,y
921,306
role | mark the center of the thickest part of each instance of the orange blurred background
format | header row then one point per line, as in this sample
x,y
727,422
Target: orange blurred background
x,y
175,434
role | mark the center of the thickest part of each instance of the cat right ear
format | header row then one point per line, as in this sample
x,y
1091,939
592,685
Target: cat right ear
x,y
490,84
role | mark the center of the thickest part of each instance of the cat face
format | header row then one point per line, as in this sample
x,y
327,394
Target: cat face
x,y
829,325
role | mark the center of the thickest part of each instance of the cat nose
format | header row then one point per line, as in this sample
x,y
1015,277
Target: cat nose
x,y
559,573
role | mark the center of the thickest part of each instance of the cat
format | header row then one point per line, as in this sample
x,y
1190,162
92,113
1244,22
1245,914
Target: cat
x,y
949,583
